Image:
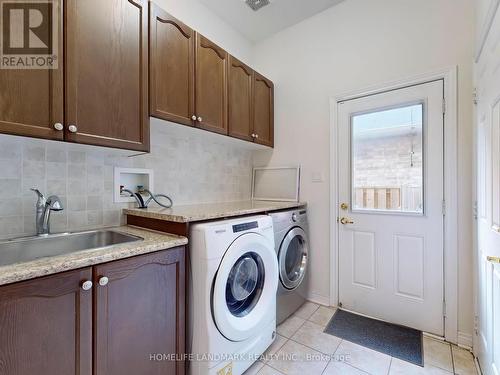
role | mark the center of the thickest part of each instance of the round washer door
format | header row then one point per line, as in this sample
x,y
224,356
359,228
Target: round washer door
x,y
293,257
245,287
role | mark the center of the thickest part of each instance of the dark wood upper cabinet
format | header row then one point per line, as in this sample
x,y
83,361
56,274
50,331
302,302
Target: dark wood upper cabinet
x,y
211,85
107,73
263,119
46,326
138,313
31,100
240,100
171,74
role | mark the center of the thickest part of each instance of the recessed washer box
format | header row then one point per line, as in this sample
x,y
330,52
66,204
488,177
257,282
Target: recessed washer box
x,y
130,178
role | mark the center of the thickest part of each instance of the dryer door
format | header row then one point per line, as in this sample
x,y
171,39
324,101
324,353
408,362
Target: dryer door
x,y
293,257
245,287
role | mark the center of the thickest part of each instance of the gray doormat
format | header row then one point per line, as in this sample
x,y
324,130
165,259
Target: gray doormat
x,y
395,340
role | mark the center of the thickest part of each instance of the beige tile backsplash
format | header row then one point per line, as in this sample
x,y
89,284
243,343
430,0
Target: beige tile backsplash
x,y
191,166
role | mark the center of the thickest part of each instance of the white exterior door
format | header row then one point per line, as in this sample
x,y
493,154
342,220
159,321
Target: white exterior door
x,y
390,175
487,333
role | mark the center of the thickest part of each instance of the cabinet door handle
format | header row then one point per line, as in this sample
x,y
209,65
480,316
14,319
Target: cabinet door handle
x,y
253,135
72,128
193,117
103,281
58,126
87,285
256,136
200,119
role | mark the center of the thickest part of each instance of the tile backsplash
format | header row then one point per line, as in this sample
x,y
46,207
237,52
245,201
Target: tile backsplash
x,y
190,165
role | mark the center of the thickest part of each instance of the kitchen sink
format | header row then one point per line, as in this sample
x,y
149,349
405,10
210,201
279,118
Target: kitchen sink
x,y
26,249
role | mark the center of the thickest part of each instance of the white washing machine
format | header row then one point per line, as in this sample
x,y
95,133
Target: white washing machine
x,y
292,250
232,294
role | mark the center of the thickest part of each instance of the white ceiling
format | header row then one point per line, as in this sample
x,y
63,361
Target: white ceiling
x,y
270,19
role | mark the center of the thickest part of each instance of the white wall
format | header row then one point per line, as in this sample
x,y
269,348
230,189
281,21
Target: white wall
x,y
354,45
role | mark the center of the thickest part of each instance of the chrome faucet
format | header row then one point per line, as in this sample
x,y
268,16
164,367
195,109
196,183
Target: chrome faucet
x,y
44,206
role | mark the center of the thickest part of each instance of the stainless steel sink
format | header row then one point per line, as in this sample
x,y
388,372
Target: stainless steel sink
x,y
30,248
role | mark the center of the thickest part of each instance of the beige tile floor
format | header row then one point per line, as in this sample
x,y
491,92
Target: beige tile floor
x,y
302,348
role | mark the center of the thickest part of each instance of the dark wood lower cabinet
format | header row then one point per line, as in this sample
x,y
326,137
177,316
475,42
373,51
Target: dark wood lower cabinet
x,y
46,326
140,313
52,326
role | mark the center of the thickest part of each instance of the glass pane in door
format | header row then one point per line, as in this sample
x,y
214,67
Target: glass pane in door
x,y
387,160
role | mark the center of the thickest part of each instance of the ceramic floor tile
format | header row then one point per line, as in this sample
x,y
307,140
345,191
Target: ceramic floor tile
x,y
266,370
341,368
463,361
279,341
290,326
322,315
363,358
306,310
254,369
399,367
312,335
437,354
296,359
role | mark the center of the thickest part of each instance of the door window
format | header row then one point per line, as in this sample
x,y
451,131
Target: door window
x,y
387,160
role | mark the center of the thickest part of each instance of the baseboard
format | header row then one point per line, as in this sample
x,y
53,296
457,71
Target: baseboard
x,y
319,299
465,340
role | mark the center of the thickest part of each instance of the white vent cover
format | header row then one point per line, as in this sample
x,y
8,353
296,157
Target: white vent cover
x,y
255,5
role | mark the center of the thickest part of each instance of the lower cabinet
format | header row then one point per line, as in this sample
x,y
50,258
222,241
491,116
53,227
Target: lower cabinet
x,y
134,311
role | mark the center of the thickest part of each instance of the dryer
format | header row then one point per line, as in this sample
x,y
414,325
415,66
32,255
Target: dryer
x,y
292,251
232,294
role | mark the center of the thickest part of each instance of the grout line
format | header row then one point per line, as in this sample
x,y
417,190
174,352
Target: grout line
x,y
390,365
452,360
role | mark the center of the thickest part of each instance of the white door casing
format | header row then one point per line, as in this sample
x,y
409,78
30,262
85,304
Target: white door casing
x,y
391,262
487,135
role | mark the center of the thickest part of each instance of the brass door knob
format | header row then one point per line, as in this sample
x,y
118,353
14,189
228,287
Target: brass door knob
x,y
493,259
344,206
346,220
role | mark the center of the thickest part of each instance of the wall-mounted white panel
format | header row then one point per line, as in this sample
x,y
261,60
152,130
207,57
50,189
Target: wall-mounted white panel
x,y
495,170
482,137
409,254
364,259
496,320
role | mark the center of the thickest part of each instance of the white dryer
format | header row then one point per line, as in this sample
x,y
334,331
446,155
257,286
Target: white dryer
x,y
232,294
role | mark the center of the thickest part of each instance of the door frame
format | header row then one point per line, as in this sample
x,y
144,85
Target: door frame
x,y
449,77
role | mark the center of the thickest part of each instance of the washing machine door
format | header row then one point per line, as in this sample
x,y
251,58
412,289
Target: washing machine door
x,y
293,258
245,287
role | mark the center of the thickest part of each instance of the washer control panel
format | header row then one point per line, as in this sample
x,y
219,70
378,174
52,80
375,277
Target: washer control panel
x,y
245,226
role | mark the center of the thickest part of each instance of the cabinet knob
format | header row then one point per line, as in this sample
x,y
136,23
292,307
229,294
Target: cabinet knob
x,y
256,136
58,126
72,128
253,135
193,117
87,285
103,281
200,119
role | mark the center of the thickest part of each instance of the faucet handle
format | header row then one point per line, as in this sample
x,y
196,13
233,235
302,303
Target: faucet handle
x,y
37,192
54,203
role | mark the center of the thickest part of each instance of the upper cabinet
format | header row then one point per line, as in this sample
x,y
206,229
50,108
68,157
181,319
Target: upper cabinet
x,y
99,92
240,97
107,73
171,51
211,85
31,100
195,82
263,110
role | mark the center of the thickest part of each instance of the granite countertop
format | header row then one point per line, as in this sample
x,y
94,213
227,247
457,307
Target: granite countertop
x,y
153,241
201,212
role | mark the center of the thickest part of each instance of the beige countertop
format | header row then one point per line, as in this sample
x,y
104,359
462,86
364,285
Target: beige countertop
x,y
208,211
152,241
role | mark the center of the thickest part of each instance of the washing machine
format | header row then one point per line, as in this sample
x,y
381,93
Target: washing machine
x,y
232,294
292,251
